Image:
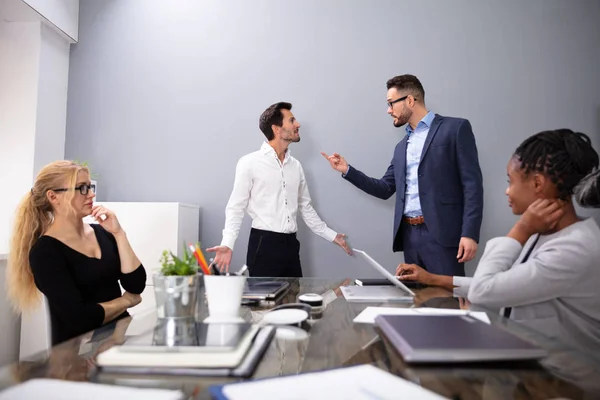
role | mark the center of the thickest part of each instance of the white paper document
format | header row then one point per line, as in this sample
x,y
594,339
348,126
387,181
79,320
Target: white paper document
x,y
360,382
54,389
376,294
367,316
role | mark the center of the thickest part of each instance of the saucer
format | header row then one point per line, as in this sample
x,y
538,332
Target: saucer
x,y
288,316
290,333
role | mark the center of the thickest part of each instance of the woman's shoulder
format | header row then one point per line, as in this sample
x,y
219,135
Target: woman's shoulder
x,y
582,237
584,231
45,243
45,248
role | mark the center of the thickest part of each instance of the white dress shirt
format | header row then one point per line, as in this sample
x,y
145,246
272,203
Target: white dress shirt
x,y
272,192
414,151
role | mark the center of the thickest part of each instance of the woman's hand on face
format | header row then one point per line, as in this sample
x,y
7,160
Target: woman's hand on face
x,y
107,219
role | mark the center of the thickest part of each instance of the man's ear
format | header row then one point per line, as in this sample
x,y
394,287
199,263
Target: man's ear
x,y
275,129
411,100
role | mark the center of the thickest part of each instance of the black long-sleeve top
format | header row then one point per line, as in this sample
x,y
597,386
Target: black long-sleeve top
x,y
75,284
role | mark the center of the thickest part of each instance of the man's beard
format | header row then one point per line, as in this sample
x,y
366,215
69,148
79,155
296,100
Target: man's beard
x,y
292,138
403,118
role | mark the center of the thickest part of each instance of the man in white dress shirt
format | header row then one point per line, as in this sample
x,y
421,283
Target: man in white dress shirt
x,y
270,185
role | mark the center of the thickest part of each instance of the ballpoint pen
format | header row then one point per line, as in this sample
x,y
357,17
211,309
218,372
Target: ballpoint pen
x,y
214,269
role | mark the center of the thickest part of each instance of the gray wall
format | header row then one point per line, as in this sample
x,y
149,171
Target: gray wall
x,y
164,97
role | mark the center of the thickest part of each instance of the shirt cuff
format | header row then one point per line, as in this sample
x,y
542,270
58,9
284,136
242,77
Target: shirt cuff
x,y
462,284
346,173
228,241
329,234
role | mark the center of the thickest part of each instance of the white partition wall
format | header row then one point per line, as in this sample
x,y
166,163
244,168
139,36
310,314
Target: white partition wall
x,y
35,38
63,14
20,43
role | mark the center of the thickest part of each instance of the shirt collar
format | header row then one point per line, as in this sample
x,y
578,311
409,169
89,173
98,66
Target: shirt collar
x,y
425,122
267,149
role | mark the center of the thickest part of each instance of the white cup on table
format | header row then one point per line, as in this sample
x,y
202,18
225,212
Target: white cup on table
x,y
224,295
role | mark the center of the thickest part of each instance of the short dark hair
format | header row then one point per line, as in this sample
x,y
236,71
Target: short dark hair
x,y
409,83
272,116
563,155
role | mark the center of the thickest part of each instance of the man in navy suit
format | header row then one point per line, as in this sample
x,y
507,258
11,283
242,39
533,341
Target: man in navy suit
x,y
436,169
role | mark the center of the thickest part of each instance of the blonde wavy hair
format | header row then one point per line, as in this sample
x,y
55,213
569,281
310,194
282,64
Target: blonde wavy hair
x,y
33,217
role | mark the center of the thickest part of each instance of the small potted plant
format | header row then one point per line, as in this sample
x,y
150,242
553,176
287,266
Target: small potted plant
x,y
176,285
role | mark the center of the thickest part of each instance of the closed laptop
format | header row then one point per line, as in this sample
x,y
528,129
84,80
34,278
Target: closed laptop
x,y
450,338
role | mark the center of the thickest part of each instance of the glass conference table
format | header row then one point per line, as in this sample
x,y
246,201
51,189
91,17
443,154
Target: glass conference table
x,y
334,341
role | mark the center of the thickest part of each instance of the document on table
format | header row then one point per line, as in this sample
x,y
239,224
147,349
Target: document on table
x,y
360,382
54,389
367,316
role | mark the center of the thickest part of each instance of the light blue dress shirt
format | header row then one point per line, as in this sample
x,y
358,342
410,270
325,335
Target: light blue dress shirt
x,y
414,149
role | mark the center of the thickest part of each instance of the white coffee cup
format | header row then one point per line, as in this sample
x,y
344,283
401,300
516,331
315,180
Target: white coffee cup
x,y
224,295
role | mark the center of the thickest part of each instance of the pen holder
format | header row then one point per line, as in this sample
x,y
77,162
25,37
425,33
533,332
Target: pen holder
x,y
224,295
176,296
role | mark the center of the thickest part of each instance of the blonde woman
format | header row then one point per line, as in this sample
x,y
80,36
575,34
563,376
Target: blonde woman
x,y
77,266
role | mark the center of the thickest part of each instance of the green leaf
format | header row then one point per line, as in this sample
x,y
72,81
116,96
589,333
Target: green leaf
x,y
173,265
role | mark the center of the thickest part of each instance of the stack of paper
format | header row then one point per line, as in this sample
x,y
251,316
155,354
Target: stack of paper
x,y
361,382
183,357
54,389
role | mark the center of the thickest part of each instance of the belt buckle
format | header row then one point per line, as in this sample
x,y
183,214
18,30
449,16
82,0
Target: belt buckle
x,y
416,219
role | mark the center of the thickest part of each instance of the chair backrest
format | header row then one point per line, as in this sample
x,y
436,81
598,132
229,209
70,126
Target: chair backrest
x,y
36,331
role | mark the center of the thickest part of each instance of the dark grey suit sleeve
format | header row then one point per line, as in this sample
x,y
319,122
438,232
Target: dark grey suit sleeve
x,y
472,181
382,188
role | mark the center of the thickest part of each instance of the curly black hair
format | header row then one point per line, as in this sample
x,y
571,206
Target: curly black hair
x,y
563,155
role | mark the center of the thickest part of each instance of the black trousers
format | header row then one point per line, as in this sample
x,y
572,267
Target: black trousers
x,y
272,254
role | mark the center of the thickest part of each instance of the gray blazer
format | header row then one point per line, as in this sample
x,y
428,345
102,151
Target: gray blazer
x,y
556,291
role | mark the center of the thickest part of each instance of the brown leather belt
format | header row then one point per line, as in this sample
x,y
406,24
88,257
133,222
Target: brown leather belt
x,y
414,220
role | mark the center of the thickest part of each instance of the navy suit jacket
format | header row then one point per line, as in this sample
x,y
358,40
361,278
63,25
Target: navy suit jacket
x,y
450,183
